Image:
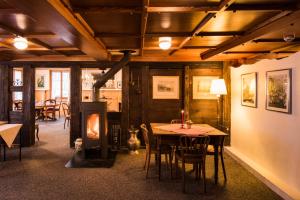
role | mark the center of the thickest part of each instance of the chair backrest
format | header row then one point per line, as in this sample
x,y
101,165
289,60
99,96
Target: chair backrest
x,y
193,146
145,134
19,105
176,121
66,109
49,102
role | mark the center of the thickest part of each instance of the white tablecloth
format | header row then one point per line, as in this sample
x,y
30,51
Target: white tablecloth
x,y
9,132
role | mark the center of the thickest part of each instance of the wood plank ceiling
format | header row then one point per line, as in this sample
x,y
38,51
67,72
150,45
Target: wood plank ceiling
x,y
232,30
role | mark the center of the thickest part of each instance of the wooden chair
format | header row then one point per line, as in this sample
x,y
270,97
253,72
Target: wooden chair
x,y
49,108
18,105
67,114
210,152
192,150
151,149
176,121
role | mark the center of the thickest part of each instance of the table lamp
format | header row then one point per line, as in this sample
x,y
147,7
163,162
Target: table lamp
x,y
218,88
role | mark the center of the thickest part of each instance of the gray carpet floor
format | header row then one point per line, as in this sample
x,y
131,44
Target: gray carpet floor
x,y
42,175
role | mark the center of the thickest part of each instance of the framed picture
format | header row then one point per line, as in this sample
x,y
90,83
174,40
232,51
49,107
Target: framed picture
x,y
201,87
279,90
165,87
42,79
249,89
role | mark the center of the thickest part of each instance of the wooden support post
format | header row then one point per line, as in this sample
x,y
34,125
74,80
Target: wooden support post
x,y
28,136
187,92
125,105
75,99
145,94
4,90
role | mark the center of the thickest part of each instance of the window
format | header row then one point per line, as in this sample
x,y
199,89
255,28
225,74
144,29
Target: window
x,y
60,84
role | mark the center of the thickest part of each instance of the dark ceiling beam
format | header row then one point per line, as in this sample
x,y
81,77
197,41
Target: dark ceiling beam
x,y
223,4
106,9
220,33
32,40
144,20
195,31
246,52
170,34
266,40
262,7
62,23
9,11
250,35
31,35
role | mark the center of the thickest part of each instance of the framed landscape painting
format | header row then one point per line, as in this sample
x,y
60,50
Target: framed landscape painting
x,y
165,87
201,87
279,90
42,79
249,89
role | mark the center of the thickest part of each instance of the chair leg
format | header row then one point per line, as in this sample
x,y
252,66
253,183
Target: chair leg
x,y
65,123
148,163
20,153
37,133
171,167
183,177
146,158
204,176
176,167
4,152
223,166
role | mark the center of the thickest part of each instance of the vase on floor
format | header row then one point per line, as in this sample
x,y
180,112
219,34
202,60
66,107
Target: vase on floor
x,y
133,142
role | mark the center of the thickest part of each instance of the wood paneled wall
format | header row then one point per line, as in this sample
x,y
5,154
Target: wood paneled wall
x,y
4,91
139,106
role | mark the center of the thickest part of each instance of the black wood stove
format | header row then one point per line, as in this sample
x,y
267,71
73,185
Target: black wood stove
x,y
94,129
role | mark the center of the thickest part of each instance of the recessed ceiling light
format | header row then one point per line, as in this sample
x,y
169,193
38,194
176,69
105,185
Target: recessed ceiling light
x,y
165,42
20,43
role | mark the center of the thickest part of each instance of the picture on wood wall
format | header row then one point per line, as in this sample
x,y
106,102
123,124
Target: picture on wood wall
x,y
201,87
279,90
165,87
249,89
42,79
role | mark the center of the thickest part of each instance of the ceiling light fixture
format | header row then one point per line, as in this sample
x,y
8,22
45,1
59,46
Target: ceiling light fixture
x,y
165,42
20,43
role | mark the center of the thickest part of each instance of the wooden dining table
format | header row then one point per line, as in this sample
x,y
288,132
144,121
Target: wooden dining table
x,y
166,134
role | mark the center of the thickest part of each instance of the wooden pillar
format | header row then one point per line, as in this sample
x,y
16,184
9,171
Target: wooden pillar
x,y
4,91
75,101
187,92
227,100
125,105
145,94
28,134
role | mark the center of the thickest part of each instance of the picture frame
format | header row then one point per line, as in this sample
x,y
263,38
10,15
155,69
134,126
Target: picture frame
x,y
42,79
249,89
279,90
165,87
201,87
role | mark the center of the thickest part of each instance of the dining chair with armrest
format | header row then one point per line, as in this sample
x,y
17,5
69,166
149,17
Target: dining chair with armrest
x,y
192,150
152,149
49,108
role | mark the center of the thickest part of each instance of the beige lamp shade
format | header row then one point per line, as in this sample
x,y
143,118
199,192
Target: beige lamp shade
x,y
218,87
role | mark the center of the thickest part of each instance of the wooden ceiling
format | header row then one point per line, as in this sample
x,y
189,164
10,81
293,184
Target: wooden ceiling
x,y
232,30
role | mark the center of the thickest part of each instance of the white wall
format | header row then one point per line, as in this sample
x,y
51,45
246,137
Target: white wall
x,y
268,141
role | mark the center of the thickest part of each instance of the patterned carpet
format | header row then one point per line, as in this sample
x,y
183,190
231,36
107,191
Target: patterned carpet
x,y
42,175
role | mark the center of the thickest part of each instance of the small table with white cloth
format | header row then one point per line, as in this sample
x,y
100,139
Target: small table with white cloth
x,y
8,133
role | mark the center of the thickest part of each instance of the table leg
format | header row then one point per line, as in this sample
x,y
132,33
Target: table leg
x,y
216,160
4,152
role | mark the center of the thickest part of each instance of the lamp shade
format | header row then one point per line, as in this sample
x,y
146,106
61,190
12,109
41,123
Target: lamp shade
x,y
218,87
